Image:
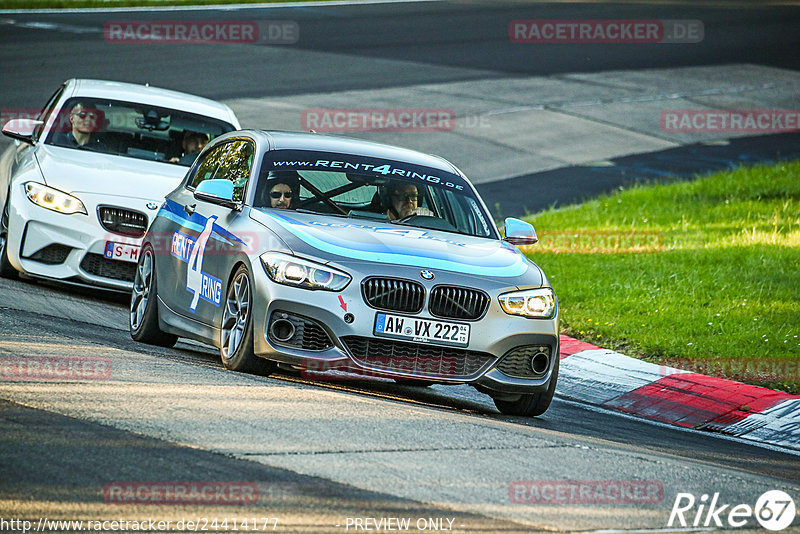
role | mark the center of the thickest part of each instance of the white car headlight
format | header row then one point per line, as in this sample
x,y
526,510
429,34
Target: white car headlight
x,y
294,271
53,199
536,303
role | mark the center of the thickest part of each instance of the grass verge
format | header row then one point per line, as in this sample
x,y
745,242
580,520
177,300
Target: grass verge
x,y
701,275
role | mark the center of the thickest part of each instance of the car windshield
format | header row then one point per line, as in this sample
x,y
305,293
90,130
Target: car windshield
x,y
133,130
376,190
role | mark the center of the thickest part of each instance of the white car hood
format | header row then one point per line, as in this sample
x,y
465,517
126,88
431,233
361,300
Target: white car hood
x,y
81,171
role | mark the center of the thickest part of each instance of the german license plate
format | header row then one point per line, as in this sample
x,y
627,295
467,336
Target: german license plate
x,y
421,330
122,251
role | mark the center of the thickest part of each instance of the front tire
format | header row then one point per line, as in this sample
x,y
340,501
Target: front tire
x,y
531,405
6,269
144,308
236,332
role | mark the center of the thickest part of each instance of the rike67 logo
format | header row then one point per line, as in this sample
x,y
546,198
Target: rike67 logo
x,y
774,510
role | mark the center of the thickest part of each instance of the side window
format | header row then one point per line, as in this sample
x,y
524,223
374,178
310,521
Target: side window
x,y
208,167
47,110
230,161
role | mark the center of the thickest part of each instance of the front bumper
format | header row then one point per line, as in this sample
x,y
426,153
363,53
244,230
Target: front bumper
x,y
47,244
337,326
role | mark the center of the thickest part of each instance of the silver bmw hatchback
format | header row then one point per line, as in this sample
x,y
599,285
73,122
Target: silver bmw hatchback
x,y
333,255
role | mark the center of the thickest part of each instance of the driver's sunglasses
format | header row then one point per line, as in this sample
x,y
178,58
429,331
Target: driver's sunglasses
x,y
407,198
84,114
278,194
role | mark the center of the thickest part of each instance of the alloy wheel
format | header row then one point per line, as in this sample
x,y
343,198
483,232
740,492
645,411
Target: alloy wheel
x,y
141,289
237,312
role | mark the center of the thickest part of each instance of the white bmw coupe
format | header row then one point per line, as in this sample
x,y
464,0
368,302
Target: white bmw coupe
x,y
82,182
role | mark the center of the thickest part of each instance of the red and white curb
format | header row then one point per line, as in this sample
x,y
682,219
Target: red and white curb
x,y
612,380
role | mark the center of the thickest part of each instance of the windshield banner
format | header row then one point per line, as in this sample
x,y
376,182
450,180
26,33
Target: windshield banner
x,y
299,160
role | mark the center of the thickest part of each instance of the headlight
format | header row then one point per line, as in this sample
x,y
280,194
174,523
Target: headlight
x,y
53,199
293,271
537,303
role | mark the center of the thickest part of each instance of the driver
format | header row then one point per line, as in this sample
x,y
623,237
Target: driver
x,y
280,190
84,121
403,201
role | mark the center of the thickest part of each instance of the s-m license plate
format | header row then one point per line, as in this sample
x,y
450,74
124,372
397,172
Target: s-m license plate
x,y
122,252
421,330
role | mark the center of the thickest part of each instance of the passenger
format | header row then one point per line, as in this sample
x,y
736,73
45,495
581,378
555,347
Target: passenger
x,y
85,120
193,143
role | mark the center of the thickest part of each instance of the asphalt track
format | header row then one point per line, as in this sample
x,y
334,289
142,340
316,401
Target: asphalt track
x,y
323,452
65,441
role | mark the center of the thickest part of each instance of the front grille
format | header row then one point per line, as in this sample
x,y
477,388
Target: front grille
x,y
51,254
122,221
308,334
457,302
412,358
517,362
99,265
393,294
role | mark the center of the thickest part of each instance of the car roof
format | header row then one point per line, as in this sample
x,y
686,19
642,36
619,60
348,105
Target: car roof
x,y
280,140
146,94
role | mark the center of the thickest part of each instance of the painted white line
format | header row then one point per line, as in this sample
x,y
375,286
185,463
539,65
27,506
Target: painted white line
x,y
68,28
214,7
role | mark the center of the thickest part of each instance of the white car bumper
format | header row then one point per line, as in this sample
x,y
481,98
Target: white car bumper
x,y
48,244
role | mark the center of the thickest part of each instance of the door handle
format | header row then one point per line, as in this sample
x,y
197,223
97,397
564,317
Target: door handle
x,y
189,208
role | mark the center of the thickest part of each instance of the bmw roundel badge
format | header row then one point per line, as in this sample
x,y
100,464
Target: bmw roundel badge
x,y
427,275
151,205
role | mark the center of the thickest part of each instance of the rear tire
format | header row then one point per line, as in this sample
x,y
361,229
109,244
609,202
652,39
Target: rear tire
x,y
6,269
144,306
236,331
531,405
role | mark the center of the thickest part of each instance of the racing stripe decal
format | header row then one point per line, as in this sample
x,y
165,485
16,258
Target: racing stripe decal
x,y
451,255
174,212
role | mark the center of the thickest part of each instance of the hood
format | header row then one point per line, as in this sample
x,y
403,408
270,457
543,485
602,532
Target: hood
x,y
349,241
80,171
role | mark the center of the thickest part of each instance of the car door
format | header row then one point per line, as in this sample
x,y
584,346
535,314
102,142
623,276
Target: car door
x,y
203,249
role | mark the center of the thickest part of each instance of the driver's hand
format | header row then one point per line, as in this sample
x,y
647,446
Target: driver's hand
x,y
423,211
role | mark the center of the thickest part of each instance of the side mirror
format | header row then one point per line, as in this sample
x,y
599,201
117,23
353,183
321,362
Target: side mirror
x,y
21,129
520,233
217,192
